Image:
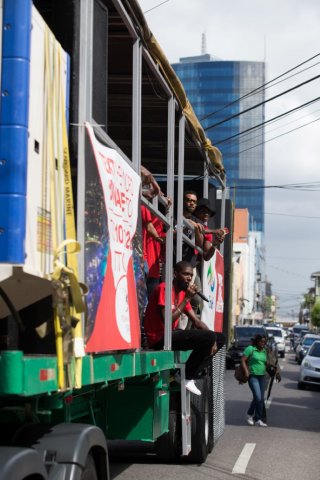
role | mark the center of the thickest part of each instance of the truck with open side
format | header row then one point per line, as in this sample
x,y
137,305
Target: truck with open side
x,y
87,97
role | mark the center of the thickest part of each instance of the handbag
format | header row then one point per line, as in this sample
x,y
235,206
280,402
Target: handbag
x,y
239,374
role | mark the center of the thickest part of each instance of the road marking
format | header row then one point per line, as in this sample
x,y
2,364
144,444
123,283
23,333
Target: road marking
x,y
241,464
291,405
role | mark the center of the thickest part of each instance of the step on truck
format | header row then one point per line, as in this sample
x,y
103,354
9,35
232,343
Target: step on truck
x,y
88,98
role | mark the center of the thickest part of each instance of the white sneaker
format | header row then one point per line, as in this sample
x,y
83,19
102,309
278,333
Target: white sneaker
x,y
191,386
250,420
260,423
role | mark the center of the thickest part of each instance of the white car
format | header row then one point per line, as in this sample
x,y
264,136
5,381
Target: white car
x,y
279,336
310,367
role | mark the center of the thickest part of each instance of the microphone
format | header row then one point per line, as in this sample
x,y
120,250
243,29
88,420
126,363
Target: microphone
x,y
201,295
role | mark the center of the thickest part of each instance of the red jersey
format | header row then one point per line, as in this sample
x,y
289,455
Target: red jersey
x,y
153,320
151,248
207,236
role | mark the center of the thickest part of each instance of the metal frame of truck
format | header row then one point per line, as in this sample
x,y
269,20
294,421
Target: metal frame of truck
x,y
49,432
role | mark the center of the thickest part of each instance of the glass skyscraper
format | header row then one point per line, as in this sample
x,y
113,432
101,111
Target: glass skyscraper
x,y
214,88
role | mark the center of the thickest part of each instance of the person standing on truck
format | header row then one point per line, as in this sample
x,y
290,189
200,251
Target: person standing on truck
x,y
153,238
189,253
211,238
203,342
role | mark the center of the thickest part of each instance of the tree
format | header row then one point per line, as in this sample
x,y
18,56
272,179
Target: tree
x,y
266,306
315,315
309,300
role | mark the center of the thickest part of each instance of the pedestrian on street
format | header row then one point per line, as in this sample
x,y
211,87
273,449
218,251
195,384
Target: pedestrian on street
x,y
254,363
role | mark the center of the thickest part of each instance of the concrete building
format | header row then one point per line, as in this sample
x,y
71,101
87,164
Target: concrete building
x,y
248,287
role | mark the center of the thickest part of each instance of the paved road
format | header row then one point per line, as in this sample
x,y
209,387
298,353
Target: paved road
x,y
287,449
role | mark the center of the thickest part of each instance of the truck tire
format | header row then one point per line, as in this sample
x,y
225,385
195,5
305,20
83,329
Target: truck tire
x,y
89,471
200,428
168,446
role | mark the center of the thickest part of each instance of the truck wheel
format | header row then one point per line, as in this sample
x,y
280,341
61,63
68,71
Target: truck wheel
x,y
199,424
168,446
89,472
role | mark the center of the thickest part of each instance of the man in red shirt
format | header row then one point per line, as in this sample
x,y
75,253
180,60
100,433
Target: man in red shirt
x,y
203,342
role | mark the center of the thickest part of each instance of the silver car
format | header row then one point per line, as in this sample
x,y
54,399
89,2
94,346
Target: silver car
x,y
310,367
304,346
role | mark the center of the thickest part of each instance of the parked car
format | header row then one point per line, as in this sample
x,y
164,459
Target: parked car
x,y
310,367
299,330
304,345
243,336
279,337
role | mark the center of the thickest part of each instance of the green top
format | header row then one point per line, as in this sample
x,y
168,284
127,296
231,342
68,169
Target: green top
x,y
257,360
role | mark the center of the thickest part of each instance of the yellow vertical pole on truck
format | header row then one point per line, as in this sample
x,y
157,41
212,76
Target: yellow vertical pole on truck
x,y
78,343
49,69
64,245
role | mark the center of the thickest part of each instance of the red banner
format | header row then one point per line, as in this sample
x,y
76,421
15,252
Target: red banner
x,y
116,324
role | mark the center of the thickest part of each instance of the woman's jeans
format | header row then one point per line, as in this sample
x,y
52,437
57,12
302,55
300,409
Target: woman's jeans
x,y
257,384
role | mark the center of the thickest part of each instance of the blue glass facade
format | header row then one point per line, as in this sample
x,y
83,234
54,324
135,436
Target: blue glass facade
x,y
212,86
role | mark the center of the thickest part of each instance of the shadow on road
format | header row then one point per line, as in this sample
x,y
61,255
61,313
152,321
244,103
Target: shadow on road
x,y
122,454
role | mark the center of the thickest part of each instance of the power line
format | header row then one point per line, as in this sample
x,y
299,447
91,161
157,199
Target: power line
x,y
256,90
284,292
289,215
292,295
288,186
262,103
156,6
286,271
251,138
278,136
288,112
304,259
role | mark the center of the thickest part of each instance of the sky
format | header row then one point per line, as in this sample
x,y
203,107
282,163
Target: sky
x,y
284,34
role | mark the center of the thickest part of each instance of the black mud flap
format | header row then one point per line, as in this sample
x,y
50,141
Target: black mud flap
x,y
201,423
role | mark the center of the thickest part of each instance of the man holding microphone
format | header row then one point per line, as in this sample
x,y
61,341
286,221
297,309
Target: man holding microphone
x,y
203,342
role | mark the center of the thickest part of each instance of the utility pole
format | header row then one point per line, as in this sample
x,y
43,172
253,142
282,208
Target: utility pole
x,y
273,308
